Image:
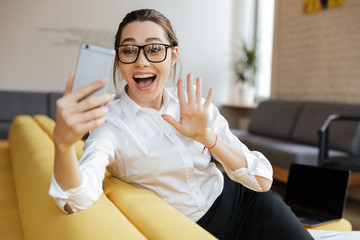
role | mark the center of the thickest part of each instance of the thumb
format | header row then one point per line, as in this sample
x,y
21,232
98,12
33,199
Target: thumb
x,y
69,84
171,121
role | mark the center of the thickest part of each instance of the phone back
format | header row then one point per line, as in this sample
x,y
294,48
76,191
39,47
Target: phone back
x,y
94,63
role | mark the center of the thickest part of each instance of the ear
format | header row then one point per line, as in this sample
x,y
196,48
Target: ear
x,y
174,55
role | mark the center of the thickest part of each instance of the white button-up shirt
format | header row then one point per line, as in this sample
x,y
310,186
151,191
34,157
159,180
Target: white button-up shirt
x,y
137,146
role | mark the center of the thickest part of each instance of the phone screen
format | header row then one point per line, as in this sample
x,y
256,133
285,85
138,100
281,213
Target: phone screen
x,y
94,63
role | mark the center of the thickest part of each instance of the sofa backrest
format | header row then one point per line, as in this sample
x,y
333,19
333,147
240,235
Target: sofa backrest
x,y
275,118
343,135
17,103
52,98
14,103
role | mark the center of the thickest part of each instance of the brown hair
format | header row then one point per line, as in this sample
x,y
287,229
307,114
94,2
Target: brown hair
x,y
141,16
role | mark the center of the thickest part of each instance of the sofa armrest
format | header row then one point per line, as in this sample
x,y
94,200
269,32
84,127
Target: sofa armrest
x,y
32,158
324,134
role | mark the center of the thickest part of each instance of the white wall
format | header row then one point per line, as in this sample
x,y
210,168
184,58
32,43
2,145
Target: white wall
x,y
40,38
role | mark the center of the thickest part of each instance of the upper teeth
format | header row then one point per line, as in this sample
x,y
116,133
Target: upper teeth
x,y
144,76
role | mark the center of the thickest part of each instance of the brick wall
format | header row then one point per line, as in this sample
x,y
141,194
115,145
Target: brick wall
x,y
317,55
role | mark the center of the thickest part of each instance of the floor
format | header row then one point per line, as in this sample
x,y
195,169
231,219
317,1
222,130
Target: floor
x,y
352,208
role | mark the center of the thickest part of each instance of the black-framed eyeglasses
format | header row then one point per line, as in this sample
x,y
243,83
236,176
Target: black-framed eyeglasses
x,y
154,52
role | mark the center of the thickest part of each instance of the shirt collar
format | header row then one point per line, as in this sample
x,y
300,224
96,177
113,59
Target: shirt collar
x,y
128,106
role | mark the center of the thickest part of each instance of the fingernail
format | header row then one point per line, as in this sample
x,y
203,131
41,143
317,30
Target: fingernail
x,y
112,95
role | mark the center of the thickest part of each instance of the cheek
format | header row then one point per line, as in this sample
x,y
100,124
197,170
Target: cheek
x,y
166,67
124,70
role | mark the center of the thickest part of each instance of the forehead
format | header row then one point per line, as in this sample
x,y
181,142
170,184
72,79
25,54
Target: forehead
x,y
142,32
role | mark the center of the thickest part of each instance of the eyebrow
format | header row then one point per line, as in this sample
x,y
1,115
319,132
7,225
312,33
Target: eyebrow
x,y
147,40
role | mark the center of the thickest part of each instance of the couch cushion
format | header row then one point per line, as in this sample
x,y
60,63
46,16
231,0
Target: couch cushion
x,y
52,98
282,153
275,118
342,133
10,225
16,103
4,129
155,218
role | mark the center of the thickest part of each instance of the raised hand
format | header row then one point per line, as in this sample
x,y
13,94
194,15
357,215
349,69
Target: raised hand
x,y
77,115
194,116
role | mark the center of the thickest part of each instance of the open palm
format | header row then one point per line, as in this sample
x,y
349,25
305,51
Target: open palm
x,y
194,116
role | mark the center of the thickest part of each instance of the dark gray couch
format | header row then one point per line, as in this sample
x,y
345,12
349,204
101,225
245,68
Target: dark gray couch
x,y
287,131
13,103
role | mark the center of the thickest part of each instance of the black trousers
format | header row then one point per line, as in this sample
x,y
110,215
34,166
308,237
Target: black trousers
x,y
240,213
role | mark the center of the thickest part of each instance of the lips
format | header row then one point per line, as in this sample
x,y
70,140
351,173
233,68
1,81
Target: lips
x,y
144,81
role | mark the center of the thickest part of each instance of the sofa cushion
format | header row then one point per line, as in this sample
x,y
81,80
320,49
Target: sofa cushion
x,y
4,129
275,118
17,103
9,210
155,218
342,133
52,98
282,153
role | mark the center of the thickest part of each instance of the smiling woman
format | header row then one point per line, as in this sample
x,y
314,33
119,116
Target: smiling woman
x,y
164,143
145,73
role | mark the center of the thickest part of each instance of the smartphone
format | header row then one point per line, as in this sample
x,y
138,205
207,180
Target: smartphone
x,y
94,63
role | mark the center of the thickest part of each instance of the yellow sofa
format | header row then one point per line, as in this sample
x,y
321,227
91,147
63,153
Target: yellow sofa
x,y
28,212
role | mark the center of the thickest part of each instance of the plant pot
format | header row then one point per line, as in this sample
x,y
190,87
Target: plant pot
x,y
246,94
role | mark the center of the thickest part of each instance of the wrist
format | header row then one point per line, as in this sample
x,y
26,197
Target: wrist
x,y
61,147
208,139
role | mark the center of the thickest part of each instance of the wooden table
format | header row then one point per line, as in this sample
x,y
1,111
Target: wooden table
x,y
237,115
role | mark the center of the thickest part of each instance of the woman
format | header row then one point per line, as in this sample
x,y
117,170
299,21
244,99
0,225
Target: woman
x,y
161,142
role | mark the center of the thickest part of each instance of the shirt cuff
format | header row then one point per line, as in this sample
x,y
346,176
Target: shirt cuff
x,y
258,165
77,198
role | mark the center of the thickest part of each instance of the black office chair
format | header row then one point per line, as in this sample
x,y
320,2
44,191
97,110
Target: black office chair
x,y
350,162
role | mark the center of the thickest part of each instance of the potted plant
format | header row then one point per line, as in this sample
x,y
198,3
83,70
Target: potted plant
x,y
245,68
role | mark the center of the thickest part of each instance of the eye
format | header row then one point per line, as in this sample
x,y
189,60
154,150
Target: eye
x,y
154,49
128,50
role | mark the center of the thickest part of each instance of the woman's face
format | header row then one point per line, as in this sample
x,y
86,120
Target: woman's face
x,y
146,80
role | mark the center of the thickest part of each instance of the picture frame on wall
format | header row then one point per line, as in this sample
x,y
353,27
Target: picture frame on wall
x,y
310,6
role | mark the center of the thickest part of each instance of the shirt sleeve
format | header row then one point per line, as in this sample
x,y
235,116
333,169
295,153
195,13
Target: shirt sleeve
x,y
97,156
258,164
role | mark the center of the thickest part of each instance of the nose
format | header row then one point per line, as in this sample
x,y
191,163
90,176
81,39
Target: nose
x,y
142,60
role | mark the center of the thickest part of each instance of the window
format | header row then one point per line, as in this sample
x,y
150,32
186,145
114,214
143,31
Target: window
x,y
264,36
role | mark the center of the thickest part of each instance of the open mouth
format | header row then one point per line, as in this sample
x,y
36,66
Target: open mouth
x,y
144,81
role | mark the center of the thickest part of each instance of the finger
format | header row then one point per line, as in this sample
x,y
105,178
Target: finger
x,y
198,90
180,92
91,115
93,102
190,90
88,89
69,83
171,121
91,125
209,98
